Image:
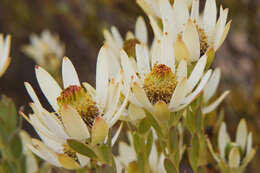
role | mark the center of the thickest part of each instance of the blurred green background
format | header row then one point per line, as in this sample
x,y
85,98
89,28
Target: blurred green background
x,y
79,23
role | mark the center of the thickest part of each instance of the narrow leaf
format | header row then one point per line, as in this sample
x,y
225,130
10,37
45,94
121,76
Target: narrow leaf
x,y
173,140
170,168
194,152
81,148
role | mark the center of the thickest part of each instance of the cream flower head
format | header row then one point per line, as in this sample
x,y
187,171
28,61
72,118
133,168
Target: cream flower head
x,y
127,157
46,50
234,156
155,77
115,42
80,112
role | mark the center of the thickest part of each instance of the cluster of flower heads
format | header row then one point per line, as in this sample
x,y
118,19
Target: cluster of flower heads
x,y
180,55
132,78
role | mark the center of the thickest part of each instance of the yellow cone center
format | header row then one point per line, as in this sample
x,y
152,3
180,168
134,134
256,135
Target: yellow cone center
x,y
160,83
79,99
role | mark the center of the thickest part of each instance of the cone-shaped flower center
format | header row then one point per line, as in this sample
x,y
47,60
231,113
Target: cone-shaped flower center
x,y
160,83
129,47
79,99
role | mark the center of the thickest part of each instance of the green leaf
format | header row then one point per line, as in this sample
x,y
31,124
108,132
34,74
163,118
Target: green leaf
x,y
194,152
173,140
176,158
81,148
81,170
139,144
194,120
154,123
8,114
211,55
141,163
175,117
189,120
3,134
15,147
196,104
169,167
149,144
106,153
144,126
22,165
8,167
198,121
162,145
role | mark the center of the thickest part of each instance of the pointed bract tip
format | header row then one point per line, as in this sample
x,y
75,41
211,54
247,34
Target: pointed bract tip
x,y
65,58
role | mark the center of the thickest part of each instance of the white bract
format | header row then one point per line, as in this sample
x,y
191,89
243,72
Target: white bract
x,y
4,53
209,91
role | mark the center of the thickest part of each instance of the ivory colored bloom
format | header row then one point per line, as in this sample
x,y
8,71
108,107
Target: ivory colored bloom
x,y
114,42
234,156
190,31
127,156
80,112
46,50
155,77
4,53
